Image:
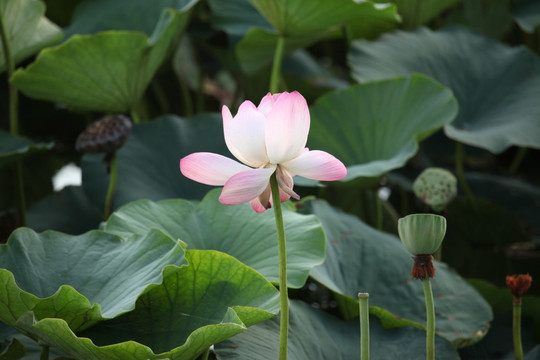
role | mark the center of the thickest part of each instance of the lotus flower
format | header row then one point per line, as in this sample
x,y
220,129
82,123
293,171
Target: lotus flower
x,y
266,139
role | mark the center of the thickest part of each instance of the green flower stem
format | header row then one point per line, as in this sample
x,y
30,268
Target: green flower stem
x,y
205,354
13,116
10,68
44,355
460,159
186,97
276,66
363,299
516,327
282,250
518,159
430,313
112,187
135,116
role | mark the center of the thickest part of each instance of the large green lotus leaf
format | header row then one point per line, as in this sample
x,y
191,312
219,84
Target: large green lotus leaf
x,y
300,17
527,14
495,111
92,16
28,30
316,335
70,273
303,23
56,212
418,12
212,299
214,289
360,258
148,164
108,71
13,147
235,230
375,127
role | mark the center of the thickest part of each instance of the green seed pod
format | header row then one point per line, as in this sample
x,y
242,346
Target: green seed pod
x,y
422,234
436,187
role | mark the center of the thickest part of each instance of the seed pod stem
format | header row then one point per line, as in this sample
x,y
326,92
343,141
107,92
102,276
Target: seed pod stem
x,y
430,315
112,186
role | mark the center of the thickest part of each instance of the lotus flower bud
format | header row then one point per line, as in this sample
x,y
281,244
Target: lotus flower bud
x,y
436,187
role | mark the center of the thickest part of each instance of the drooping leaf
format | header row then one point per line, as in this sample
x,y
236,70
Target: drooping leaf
x,y
456,58
316,335
375,127
148,164
92,16
297,18
302,23
235,230
212,299
56,212
13,147
419,12
360,258
69,273
28,30
122,64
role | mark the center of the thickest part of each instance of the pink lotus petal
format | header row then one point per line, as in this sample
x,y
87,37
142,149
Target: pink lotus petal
x,y
283,196
287,127
246,186
267,103
209,168
316,165
244,134
257,206
262,202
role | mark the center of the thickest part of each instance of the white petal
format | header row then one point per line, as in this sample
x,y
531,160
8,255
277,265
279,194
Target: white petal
x,y
267,103
287,127
316,165
246,186
244,134
209,168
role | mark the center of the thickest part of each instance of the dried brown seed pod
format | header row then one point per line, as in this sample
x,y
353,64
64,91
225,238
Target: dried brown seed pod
x,y
105,135
519,284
